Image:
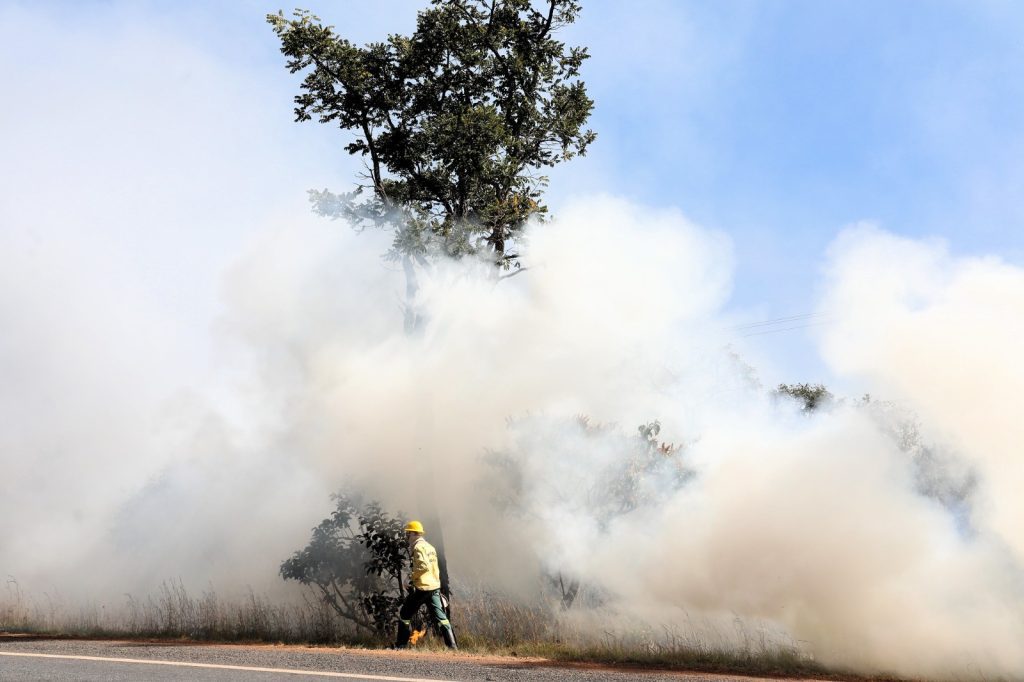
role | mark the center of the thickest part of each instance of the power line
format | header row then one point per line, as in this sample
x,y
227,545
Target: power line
x,y
777,320
787,329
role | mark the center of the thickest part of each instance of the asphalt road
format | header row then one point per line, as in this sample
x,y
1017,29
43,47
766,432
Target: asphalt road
x,y
57,660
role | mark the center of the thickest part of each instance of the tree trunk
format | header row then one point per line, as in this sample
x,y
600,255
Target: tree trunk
x,y
568,594
423,434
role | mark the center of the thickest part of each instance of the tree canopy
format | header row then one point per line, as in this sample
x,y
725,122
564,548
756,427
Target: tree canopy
x,y
455,122
812,396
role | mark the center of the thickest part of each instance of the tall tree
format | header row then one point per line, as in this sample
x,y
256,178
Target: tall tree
x,y
455,122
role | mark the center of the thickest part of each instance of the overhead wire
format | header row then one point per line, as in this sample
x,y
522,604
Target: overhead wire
x,y
777,320
786,329
792,322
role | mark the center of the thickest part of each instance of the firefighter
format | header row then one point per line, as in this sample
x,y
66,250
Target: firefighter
x,y
426,588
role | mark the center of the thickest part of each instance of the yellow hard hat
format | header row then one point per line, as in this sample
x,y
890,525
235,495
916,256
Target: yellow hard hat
x,y
414,527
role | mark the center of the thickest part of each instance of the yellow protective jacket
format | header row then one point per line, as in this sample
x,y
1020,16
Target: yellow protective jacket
x,y
425,573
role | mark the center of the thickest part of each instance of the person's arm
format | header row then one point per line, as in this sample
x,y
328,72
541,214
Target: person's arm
x,y
420,563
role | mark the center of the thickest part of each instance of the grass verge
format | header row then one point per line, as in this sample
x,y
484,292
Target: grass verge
x,y
486,625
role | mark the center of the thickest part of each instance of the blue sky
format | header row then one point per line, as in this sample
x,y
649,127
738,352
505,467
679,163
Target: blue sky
x,y
778,123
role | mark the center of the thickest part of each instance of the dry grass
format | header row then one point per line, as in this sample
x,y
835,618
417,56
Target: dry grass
x,y
504,627
486,623
175,614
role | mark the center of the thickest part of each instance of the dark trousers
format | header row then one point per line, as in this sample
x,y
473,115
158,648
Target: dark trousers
x,y
412,604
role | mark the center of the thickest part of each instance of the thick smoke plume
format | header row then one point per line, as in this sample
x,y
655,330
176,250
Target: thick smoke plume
x,y
184,386
821,525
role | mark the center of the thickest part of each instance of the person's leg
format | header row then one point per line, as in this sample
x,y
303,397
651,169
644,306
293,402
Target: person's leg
x,y
441,618
410,606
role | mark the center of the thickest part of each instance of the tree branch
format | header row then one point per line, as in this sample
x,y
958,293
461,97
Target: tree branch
x,y
513,273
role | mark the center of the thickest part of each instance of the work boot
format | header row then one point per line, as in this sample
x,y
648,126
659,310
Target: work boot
x,y
404,632
449,638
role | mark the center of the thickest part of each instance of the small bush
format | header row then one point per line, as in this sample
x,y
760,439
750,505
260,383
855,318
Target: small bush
x,y
354,563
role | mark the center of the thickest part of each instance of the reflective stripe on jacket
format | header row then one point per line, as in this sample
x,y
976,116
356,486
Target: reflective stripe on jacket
x,y
425,573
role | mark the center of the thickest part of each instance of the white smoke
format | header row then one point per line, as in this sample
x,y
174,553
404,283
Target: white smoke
x,y
184,409
940,333
817,524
